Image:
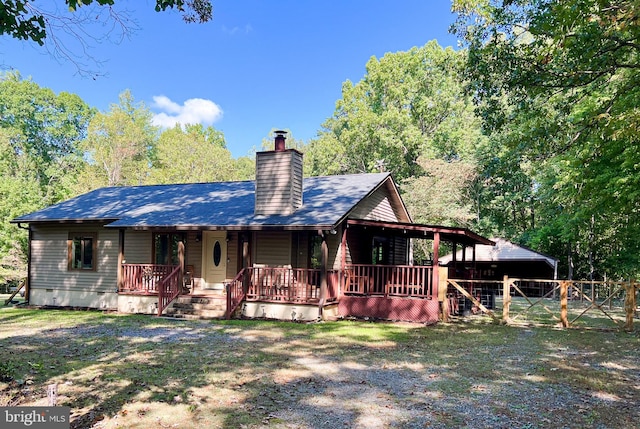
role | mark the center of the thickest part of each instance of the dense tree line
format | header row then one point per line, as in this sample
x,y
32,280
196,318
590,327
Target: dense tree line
x,y
55,146
556,84
530,133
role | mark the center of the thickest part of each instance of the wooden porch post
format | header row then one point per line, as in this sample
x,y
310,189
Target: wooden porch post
x,y
435,279
564,286
506,298
120,273
436,249
343,262
324,261
246,261
181,264
454,259
630,305
473,257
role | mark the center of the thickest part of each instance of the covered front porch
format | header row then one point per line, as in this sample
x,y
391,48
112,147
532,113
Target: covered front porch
x,y
365,270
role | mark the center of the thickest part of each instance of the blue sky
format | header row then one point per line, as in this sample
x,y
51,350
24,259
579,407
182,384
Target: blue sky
x,y
258,65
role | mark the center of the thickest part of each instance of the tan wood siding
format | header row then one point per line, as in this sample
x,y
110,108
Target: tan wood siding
x,y
333,244
278,182
49,266
193,257
272,248
138,247
377,206
232,255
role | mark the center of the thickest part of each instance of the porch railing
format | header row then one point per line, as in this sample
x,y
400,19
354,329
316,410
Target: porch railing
x,y
390,280
283,284
143,278
168,289
235,292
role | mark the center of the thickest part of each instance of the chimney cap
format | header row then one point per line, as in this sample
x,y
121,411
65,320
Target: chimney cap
x,y
279,140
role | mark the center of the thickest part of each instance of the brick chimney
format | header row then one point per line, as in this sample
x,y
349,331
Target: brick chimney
x,y
278,179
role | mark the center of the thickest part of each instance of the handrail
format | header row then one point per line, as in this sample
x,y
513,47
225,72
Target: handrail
x,y
23,284
168,290
235,293
143,278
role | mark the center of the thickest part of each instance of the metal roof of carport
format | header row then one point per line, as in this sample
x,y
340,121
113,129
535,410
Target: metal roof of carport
x,y
505,251
415,230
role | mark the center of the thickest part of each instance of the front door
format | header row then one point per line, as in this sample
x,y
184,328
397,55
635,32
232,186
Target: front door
x,y
214,259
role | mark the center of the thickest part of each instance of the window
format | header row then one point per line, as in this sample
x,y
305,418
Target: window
x,y
82,249
380,250
165,248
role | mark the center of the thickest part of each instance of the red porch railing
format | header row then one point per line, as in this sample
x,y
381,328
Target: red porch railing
x,y
143,279
168,289
283,284
235,292
390,280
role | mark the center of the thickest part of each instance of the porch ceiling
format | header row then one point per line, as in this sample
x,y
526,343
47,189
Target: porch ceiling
x,y
415,230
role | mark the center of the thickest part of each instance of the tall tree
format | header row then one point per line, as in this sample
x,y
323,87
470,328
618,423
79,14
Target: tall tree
x,y
43,131
559,81
120,144
409,104
40,132
193,154
408,116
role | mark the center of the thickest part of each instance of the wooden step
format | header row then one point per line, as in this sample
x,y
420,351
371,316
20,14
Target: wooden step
x,y
197,307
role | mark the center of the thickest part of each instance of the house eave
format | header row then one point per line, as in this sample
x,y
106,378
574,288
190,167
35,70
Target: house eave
x,y
415,230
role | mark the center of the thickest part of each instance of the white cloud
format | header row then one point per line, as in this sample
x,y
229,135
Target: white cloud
x,y
193,111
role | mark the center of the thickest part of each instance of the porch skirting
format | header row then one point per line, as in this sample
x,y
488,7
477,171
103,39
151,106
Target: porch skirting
x,y
136,303
381,307
270,310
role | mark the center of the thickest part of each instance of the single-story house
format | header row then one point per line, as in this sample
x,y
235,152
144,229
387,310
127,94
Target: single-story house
x,y
279,247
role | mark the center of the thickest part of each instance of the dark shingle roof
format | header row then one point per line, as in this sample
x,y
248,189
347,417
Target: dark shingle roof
x,y
326,201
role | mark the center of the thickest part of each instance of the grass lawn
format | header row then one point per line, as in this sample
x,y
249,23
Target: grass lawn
x,y
128,371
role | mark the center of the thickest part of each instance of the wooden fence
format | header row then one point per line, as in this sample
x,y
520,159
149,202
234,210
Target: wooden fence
x,y
567,303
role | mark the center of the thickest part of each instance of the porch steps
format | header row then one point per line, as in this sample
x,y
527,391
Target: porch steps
x,y
197,307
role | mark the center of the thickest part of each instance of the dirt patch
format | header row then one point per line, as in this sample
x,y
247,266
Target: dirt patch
x,y
141,372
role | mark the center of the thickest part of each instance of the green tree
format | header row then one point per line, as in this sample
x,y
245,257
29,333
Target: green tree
x,y
39,158
557,81
193,154
42,131
409,116
119,145
441,195
409,104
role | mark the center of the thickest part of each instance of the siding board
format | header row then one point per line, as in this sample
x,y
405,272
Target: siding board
x,y
50,277
377,206
278,182
272,248
138,247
